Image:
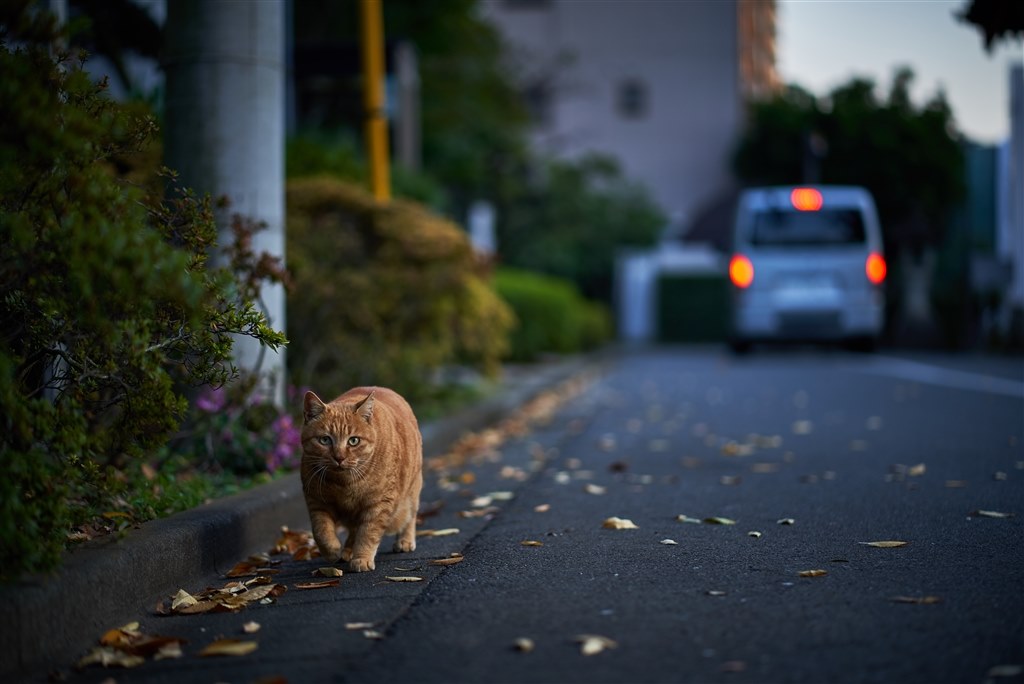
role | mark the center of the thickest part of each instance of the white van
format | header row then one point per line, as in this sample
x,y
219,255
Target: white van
x,y
807,265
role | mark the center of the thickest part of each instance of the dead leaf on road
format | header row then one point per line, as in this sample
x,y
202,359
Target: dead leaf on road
x,y
360,625
592,644
916,470
329,571
918,600
251,627
318,585
448,531
669,542
990,514
687,519
523,645
884,544
714,592
614,523
594,489
542,508
229,647
719,521
107,656
786,521
452,560
530,542
753,533
812,573
404,578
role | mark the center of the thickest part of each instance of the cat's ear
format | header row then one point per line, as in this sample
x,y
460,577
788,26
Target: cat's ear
x,y
312,407
365,409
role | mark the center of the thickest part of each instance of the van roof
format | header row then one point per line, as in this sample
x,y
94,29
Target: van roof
x,y
834,196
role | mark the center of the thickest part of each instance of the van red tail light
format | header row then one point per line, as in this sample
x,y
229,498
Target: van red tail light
x,y
874,267
741,271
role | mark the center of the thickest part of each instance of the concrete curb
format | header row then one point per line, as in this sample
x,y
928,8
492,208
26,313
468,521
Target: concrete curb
x,y
111,581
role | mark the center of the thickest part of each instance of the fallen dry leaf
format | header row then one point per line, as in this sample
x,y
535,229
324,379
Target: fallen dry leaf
x,y
1001,671
171,649
812,573
523,645
372,634
229,647
719,521
233,596
318,585
479,513
592,644
669,542
786,521
916,470
918,600
182,599
329,571
730,480
452,560
253,565
448,531
753,533
594,489
530,542
884,544
107,656
404,578
990,514
687,519
360,625
615,523
542,508
251,627
714,592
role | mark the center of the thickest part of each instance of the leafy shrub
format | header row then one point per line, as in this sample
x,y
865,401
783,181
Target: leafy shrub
x,y
107,306
383,294
313,153
552,315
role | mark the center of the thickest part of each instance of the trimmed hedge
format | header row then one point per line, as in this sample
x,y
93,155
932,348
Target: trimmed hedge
x,y
553,316
383,294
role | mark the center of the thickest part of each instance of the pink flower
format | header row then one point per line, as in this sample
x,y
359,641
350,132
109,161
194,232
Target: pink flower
x,y
212,400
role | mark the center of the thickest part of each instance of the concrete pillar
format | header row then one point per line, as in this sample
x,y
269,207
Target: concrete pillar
x,y
224,129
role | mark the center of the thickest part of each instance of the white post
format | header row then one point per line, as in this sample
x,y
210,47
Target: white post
x,y
224,132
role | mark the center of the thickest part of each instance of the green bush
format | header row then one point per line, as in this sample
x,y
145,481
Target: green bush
x,y
107,307
552,315
383,293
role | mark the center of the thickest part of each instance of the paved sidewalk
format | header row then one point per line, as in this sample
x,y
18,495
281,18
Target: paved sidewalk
x,y
56,619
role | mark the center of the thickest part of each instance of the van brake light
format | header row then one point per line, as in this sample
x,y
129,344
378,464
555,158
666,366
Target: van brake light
x,y
805,199
875,269
741,271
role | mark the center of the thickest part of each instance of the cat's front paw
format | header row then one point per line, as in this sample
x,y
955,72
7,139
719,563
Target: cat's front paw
x,y
332,555
404,545
361,564
346,554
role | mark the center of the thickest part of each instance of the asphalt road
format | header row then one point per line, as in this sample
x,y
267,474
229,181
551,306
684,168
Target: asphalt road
x,y
843,448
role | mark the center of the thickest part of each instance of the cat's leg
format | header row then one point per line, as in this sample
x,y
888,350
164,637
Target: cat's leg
x,y
325,532
406,539
367,538
350,538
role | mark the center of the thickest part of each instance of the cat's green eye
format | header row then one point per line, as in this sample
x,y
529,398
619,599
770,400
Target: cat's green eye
x,y
325,440
352,441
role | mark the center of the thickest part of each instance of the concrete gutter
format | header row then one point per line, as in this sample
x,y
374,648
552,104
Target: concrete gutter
x,y
108,582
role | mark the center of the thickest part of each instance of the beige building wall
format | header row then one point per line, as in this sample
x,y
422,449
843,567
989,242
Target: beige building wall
x,y
653,82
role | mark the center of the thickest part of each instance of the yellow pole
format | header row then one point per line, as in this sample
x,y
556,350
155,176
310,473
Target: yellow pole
x,y
373,98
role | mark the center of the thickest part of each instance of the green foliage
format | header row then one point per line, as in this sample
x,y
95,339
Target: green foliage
x,y
570,222
384,293
909,157
553,317
108,306
314,153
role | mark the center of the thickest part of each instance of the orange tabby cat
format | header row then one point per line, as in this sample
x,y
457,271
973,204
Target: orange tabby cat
x,y
362,467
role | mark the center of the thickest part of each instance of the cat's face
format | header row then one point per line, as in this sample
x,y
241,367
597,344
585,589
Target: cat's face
x,y
338,436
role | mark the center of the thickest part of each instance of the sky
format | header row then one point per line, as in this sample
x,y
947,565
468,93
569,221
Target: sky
x,y
824,43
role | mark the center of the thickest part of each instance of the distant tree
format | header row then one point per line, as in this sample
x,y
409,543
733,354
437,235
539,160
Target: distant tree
x,y
909,157
995,19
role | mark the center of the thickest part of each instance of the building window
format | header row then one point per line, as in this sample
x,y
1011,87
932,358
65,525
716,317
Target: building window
x,y
633,99
537,97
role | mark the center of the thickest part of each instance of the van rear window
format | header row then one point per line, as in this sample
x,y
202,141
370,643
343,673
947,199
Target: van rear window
x,y
806,228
